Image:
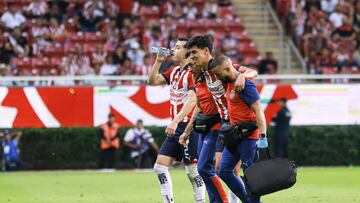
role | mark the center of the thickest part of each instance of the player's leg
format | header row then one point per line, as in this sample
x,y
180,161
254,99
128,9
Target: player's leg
x,y
190,158
232,197
207,170
169,150
226,173
247,154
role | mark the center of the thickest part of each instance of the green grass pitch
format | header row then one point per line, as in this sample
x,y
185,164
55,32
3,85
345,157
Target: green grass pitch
x,y
338,185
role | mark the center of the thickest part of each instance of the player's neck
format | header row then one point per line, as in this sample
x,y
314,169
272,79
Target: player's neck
x,y
233,75
182,65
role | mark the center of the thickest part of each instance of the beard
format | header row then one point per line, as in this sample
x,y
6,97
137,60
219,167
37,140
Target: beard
x,y
227,79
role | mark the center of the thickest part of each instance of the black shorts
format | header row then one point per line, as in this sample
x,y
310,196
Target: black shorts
x,y
172,148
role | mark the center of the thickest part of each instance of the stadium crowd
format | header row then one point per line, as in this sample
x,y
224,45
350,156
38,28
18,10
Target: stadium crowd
x,y
96,37
327,32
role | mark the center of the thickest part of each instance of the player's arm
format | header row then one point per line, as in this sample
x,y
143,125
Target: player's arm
x,y
245,73
260,117
155,78
185,110
249,73
184,137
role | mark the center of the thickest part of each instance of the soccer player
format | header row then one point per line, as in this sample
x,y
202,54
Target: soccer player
x,y
244,108
207,124
182,100
200,48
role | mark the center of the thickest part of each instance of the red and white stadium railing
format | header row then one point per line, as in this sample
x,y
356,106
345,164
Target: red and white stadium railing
x,y
141,80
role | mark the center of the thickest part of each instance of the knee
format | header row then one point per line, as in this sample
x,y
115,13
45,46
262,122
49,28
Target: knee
x,y
224,174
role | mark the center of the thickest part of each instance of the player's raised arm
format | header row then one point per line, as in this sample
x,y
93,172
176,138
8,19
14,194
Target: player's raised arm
x,y
155,78
185,110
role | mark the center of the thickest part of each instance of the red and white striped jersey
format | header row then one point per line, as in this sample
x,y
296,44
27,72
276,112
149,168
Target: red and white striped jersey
x,y
180,81
218,91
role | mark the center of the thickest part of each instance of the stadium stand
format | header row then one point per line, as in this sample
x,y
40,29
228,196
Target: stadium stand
x,y
327,33
62,37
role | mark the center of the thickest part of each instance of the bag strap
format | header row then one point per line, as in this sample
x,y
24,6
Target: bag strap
x,y
264,154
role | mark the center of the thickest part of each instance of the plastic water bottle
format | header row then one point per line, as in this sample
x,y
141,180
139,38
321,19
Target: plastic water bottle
x,y
161,51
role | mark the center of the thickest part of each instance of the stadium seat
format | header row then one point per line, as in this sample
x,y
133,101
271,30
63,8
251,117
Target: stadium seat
x,y
78,37
329,70
56,62
54,50
89,48
94,37
70,48
39,63
22,63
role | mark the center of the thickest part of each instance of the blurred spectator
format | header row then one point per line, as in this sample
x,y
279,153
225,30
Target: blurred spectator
x,y
329,5
136,54
336,18
281,133
11,151
142,145
172,39
119,55
82,68
54,12
229,45
190,10
145,68
299,23
37,8
356,57
109,142
356,17
343,58
154,38
68,65
79,53
109,67
127,68
13,17
268,65
345,32
224,3
178,12
89,21
16,44
99,56
56,30
97,6
210,9
167,26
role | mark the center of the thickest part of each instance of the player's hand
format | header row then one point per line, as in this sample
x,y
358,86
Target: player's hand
x,y
183,138
160,58
240,82
262,143
171,128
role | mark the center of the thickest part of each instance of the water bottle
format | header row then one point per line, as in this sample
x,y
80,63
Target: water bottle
x,y
161,51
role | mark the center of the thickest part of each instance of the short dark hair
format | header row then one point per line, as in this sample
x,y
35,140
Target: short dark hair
x,y
183,39
139,121
217,60
201,41
111,115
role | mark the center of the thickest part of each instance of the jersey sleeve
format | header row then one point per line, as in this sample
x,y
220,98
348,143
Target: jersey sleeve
x,y
191,84
250,94
167,74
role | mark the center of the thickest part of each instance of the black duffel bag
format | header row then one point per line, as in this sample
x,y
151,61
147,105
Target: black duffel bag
x,y
204,122
270,175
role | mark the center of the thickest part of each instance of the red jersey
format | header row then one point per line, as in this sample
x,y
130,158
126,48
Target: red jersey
x,y
206,102
180,81
218,91
239,104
